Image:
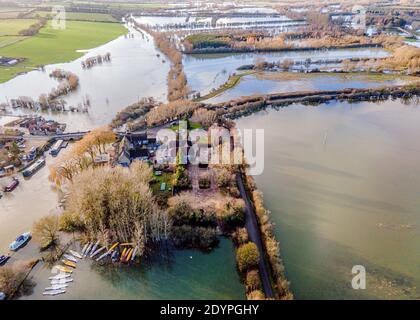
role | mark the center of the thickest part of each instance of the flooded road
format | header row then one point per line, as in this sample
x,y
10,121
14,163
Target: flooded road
x,y
341,181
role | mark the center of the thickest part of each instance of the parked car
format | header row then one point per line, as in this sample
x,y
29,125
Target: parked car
x,y
20,241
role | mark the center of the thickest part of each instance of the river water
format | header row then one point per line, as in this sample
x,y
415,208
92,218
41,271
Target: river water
x,y
134,72
254,85
342,183
207,71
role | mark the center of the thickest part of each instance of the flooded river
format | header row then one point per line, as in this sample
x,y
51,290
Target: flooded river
x,y
342,183
207,71
134,72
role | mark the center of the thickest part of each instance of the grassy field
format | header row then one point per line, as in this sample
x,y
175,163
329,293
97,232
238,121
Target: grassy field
x,y
80,16
55,46
9,40
11,27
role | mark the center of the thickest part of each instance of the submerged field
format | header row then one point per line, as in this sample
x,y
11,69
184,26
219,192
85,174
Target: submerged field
x,y
55,46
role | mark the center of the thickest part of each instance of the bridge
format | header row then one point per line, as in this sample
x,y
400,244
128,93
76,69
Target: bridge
x,y
60,136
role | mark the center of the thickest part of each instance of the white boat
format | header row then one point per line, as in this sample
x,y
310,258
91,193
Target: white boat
x,y
103,256
134,253
60,276
97,252
57,287
53,292
70,258
61,281
85,248
88,250
94,249
76,254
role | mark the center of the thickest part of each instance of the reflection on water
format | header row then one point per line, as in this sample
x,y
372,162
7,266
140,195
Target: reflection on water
x,y
205,72
342,182
252,85
134,72
186,274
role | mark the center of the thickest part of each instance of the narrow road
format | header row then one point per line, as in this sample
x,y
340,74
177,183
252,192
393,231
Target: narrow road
x,y
254,234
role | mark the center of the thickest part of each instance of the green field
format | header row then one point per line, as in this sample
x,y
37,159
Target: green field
x,y
11,27
56,46
8,40
80,16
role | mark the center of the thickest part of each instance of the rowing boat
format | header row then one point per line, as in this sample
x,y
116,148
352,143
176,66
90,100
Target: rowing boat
x,y
134,253
97,251
69,263
123,254
53,292
60,276
57,287
130,252
94,249
70,258
63,269
76,254
85,248
61,281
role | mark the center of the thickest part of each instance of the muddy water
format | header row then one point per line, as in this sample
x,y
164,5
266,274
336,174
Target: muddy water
x,y
134,72
342,182
205,72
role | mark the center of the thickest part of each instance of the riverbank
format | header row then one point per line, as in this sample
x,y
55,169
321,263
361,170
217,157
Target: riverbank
x,y
241,107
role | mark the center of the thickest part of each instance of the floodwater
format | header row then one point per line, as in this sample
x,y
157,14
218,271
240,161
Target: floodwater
x,y
134,72
207,71
342,182
176,274
254,85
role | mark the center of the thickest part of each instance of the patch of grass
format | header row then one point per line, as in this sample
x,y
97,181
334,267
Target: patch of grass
x,y
200,41
232,82
58,46
11,27
8,40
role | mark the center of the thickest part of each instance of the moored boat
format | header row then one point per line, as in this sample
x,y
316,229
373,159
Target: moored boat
x,y
76,254
63,269
70,258
61,281
53,292
69,263
57,287
20,241
12,185
34,168
60,277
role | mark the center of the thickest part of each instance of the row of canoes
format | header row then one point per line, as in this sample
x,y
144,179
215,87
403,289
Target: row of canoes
x,y
128,253
61,281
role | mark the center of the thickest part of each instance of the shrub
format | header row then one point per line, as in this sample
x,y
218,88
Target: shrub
x,y
204,182
255,295
182,212
240,236
45,231
186,236
253,281
247,256
232,214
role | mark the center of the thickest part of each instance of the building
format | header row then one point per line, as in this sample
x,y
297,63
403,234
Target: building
x,y
140,146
